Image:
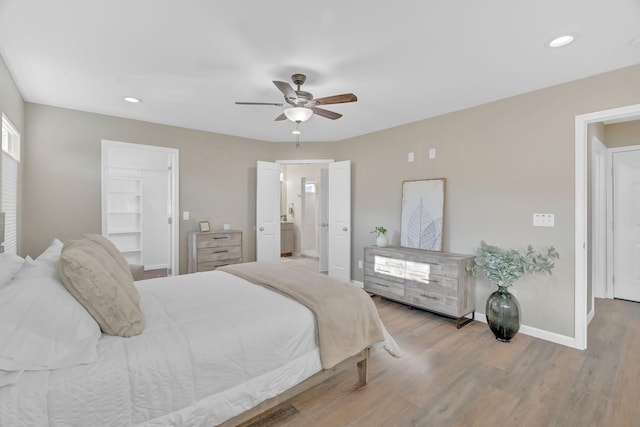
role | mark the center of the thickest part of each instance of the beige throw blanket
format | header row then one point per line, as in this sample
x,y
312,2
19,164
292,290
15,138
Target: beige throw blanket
x,y
347,319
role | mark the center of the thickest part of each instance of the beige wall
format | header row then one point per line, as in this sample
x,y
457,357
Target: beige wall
x,y
62,186
503,161
622,134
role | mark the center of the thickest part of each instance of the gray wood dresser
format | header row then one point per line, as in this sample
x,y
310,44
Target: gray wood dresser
x,y
210,250
434,281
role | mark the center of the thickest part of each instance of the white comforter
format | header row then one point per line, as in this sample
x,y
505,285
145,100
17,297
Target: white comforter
x,y
213,347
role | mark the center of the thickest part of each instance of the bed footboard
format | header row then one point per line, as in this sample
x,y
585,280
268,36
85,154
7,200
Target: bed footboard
x,y
359,359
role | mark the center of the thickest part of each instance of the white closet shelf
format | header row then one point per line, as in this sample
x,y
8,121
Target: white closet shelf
x,y
124,232
128,251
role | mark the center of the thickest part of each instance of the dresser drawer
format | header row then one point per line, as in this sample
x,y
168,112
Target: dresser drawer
x,y
380,286
215,240
430,300
219,254
207,266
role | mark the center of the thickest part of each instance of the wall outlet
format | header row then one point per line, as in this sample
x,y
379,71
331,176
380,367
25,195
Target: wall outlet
x,y
432,153
185,216
410,156
360,265
544,220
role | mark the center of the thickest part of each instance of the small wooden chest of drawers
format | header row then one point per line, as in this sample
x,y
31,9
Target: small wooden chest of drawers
x,y
208,251
435,281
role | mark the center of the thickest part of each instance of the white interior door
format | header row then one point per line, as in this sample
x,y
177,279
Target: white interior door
x,y
626,224
323,222
340,220
156,211
268,212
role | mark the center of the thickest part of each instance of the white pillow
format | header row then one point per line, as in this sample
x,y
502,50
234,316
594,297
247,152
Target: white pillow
x,y
51,254
33,269
42,326
9,266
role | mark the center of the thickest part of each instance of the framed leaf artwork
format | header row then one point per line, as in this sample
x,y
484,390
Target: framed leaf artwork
x,y
422,214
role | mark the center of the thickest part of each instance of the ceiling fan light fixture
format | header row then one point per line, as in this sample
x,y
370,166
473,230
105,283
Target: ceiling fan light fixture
x,y
298,114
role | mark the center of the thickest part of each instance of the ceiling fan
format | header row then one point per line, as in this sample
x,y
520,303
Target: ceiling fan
x,y
301,105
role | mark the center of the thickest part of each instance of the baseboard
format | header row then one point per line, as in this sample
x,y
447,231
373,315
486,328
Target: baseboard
x,y
358,283
538,333
590,315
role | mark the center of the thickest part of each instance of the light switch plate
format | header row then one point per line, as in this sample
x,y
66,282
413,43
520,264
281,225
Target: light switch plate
x,y
410,156
185,216
544,220
432,153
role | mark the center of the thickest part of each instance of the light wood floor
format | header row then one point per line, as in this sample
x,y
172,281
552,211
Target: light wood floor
x,y
449,377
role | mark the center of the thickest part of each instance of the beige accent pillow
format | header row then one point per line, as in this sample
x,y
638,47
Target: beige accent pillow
x,y
111,249
97,281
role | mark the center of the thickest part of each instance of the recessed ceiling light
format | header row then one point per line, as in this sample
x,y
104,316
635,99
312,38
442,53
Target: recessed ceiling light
x,y
296,132
132,99
562,40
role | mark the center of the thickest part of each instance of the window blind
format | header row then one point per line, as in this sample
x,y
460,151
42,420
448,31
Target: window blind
x,y
10,202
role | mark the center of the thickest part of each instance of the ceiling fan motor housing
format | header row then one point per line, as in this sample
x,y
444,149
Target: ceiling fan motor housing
x,y
299,79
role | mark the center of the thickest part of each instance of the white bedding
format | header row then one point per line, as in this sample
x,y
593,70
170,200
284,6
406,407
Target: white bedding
x,y
201,359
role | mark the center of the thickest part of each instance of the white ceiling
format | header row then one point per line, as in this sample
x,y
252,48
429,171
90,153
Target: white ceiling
x,y
406,60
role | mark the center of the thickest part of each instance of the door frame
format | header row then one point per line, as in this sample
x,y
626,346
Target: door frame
x,y
599,222
174,189
631,112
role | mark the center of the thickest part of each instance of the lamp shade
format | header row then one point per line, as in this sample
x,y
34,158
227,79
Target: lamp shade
x,y
298,114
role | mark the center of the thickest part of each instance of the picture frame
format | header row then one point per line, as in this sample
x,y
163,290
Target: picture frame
x,y
422,214
204,226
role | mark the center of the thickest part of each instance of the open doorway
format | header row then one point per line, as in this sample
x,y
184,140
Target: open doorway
x,y
589,243
304,208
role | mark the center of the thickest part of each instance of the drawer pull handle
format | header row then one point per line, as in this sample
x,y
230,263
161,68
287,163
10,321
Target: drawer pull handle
x,y
428,296
426,280
383,271
218,238
219,252
384,286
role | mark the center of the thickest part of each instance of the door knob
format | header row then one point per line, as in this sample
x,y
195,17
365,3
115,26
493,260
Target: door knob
x,y
261,228
344,229
324,224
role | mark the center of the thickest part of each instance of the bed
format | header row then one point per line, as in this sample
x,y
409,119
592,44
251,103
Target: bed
x,y
216,349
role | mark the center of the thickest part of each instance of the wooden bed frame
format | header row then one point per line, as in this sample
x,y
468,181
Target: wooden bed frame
x,y
361,359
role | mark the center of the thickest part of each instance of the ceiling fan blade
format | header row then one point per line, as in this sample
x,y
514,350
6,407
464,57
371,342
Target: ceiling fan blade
x,y
326,113
286,88
336,99
281,117
259,103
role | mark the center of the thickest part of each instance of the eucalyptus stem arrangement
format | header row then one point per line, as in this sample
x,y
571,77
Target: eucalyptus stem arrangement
x,y
379,230
504,266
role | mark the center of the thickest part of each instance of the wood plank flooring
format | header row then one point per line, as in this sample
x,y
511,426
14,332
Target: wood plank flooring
x,y
449,377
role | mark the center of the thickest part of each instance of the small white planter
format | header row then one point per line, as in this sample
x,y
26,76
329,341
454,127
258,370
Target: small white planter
x,y
382,241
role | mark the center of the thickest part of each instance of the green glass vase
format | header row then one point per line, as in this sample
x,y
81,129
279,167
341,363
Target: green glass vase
x,y
503,314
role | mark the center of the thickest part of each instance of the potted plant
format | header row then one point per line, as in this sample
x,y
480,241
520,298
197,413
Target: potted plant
x,y
503,267
381,236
